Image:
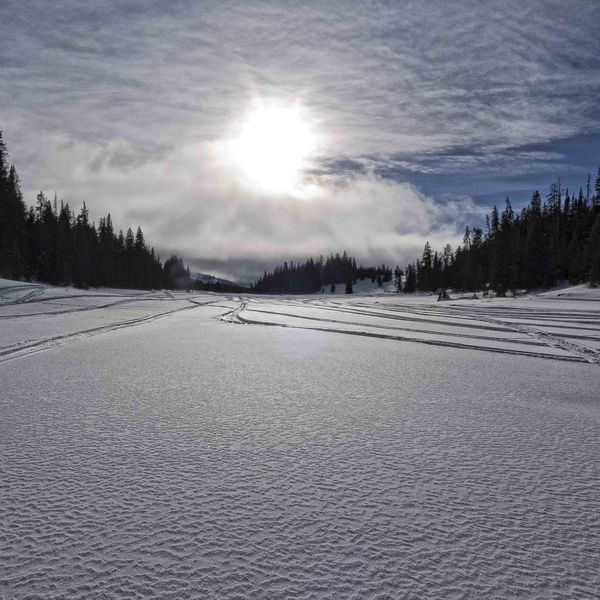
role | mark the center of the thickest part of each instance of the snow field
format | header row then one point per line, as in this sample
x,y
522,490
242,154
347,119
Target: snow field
x,y
161,449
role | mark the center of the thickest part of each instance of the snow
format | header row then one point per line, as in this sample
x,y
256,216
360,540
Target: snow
x,y
578,292
362,286
154,446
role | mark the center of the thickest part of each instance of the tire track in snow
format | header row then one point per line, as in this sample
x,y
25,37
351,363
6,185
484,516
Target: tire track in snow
x,y
504,316
5,291
392,328
77,309
556,319
587,354
234,316
445,322
399,338
23,350
29,296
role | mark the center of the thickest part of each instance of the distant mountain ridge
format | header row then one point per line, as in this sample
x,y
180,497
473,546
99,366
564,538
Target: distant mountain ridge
x,y
210,279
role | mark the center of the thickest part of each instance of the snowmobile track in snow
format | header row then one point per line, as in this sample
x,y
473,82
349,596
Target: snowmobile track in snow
x,y
400,338
531,339
233,316
28,348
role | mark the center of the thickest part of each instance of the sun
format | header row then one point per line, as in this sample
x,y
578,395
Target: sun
x,y
273,147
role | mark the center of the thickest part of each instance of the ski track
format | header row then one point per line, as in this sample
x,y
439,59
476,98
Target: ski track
x,y
200,460
29,347
197,459
77,309
557,331
475,320
389,327
233,316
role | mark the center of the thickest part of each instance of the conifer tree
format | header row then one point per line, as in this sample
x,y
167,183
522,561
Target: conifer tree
x,y
47,242
410,282
398,278
533,249
593,252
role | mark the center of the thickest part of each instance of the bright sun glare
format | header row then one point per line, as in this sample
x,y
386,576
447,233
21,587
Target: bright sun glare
x,y
273,146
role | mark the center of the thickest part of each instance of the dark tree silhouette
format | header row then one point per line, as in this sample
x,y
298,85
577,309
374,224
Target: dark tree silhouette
x,y
312,275
557,239
550,241
50,243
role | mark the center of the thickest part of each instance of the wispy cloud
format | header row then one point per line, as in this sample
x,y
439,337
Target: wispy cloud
x,y
98,99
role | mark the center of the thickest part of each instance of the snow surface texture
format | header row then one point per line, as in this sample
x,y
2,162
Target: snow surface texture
x,y
151,446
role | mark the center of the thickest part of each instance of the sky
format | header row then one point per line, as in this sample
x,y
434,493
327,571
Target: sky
x,y
401,121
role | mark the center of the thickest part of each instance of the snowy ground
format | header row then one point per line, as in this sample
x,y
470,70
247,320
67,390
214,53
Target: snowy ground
x,y
176,445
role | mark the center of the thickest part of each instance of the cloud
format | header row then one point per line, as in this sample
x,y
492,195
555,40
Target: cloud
x,y
383,78
118,103
194,207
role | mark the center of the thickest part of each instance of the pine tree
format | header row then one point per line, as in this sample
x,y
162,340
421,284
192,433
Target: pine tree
x,y
12,218
410,282
592,252
536,248
425,269
398,278
596,200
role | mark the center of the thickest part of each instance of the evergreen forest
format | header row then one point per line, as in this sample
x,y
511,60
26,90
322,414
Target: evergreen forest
x,y
549,241
51,243
552,239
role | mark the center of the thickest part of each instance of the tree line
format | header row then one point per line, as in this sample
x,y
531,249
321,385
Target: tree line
x,y
50,242
551,240
318,275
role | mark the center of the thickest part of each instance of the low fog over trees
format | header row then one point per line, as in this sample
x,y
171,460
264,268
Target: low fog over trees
x,y
550,240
